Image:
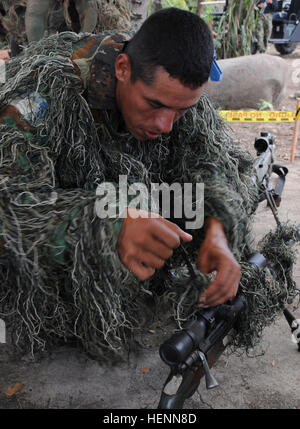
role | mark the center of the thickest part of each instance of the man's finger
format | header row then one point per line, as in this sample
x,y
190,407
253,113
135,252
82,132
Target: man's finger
x,y
222,288
185,236
150,260
169,233
158,248
142,272
217,299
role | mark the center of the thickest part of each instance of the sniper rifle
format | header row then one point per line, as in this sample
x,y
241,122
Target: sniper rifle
x,y
192,351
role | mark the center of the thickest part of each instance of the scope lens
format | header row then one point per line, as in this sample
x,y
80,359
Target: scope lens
x,y
261,145
176,349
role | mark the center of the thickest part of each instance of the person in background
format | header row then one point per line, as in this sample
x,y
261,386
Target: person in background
x,y
264,23
38,11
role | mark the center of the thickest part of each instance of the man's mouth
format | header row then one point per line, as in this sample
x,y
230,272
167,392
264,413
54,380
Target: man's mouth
x,y
151,134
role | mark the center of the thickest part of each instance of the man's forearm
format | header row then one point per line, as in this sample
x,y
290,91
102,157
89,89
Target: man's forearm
x,y
215,255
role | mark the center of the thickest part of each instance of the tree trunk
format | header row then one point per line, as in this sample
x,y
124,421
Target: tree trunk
x,y
199,7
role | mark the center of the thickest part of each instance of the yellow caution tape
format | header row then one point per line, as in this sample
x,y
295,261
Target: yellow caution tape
x,y
259,116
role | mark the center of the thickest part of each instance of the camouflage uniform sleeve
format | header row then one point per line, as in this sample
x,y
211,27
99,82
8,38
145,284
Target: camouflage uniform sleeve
x,y
60,273
35,213
41,176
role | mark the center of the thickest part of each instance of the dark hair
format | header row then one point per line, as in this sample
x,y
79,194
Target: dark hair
x,y
175,39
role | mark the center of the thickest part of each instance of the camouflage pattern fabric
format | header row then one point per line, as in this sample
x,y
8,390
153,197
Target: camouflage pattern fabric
x,y
101,81
263,31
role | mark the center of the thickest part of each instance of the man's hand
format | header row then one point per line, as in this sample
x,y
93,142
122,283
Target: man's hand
x,y
214,255
145,242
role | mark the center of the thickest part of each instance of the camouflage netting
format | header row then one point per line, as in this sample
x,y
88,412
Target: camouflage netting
x,y
60,275
268,291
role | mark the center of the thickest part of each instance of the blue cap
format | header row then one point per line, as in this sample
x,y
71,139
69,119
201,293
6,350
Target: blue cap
x,y
216,73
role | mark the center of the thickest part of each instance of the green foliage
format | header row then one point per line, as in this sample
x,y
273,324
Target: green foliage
x,y
265,105
235,29
192,4
180,4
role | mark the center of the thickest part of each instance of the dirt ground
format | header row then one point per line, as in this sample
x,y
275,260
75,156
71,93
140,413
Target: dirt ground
x,y
67,378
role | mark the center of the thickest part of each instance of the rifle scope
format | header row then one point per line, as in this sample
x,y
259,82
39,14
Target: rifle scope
x,y
178,348
262,143
175,350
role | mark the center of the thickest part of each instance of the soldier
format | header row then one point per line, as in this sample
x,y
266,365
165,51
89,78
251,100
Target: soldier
x,y
142,115
38,11
264,23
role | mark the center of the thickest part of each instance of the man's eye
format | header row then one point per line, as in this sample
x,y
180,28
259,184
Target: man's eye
x,y
154,105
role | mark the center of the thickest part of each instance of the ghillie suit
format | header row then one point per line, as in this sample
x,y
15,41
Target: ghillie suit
x,y
60,274
114,14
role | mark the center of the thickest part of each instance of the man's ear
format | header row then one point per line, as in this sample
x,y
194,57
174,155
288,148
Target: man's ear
x,y
123,68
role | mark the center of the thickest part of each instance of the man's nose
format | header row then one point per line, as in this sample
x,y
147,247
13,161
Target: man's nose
x,y
165,120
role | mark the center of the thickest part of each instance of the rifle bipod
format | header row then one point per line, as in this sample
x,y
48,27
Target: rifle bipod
x,y
275,193
273,196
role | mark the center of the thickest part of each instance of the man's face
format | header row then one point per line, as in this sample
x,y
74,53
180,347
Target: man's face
x,y
149,111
